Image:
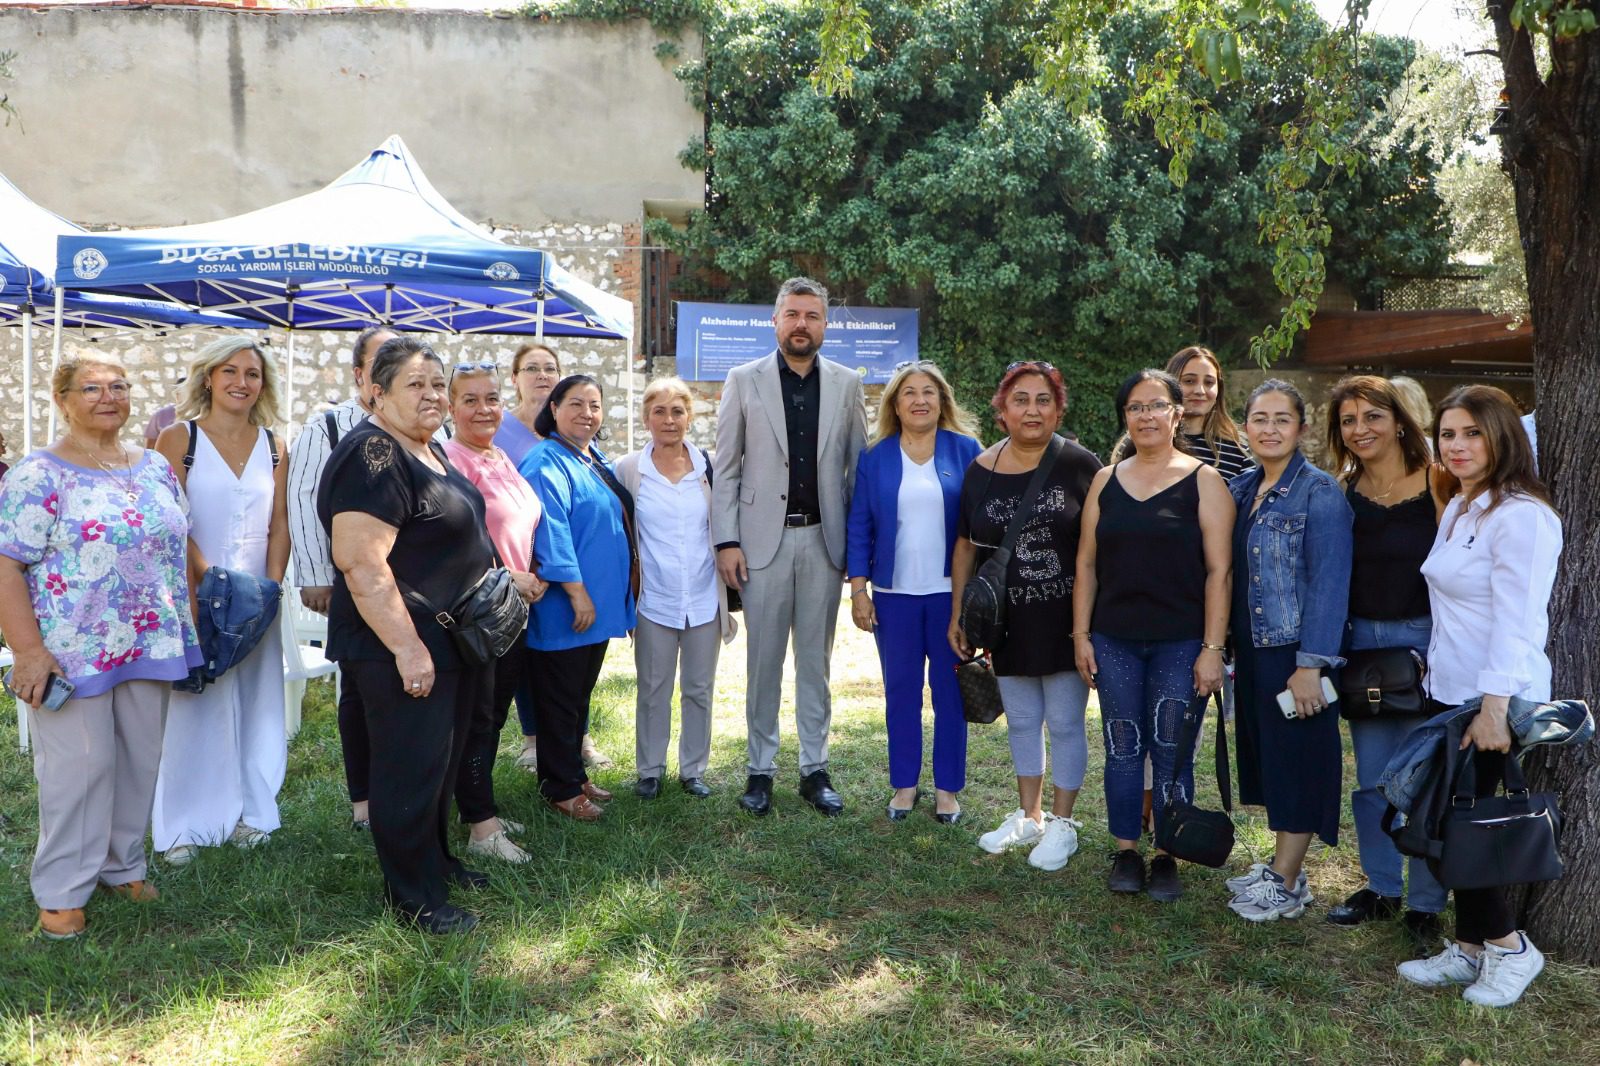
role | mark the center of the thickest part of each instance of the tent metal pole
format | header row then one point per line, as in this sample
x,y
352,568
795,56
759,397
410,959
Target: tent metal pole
x,y
538,324
27,378
55,349
289,386
627,368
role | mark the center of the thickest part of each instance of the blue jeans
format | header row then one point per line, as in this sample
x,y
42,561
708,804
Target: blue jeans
x,y
912,645
1146,700
1375,740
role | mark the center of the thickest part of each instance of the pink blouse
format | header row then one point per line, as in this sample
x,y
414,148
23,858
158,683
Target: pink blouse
x,y
512,509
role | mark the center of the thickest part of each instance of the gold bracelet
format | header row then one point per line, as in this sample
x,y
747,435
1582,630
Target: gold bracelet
x,y
858,592
1076,635
1211,647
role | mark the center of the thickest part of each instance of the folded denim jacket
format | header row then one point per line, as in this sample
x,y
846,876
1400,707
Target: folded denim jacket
x,y
1532,724
236,611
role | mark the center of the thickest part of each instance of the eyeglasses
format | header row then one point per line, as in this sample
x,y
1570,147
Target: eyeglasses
x,y
1160,407
1274,421
118,389
490,366
1036,364
529,368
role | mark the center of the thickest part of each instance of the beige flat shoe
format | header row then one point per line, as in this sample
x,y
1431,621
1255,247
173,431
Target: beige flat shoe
x,y
497,846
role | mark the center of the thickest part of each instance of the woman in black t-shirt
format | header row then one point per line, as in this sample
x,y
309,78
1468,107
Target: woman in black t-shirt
x,y
400,516
1034,665
1384,464
1152,613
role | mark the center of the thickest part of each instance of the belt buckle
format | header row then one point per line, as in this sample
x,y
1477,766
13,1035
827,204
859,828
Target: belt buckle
x,y
795,521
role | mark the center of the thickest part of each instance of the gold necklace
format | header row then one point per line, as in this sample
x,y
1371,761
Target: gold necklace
x,y
125,479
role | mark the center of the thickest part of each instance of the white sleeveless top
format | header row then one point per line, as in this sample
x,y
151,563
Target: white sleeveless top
x,y
229,517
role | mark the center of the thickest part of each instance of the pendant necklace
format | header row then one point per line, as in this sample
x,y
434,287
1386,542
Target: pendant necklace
x,y
124,479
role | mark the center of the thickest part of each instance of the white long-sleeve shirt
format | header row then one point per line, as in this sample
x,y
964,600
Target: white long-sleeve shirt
x,y
309,549
1489,578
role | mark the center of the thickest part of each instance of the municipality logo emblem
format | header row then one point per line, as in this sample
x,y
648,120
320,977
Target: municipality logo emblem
x,y
501,272
88,264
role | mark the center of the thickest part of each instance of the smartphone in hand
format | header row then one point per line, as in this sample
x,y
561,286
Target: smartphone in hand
x,y
58,693
1286,697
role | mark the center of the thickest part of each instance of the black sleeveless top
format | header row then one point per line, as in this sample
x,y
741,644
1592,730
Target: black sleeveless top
x,y
1150,563
1388,550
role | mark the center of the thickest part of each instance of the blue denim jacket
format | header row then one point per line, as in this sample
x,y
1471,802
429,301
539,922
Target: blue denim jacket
x,y
1530,723
1297,562
236,610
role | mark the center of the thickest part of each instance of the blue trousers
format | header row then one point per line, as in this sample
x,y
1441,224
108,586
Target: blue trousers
x,y
912,646
1375,740
1146,698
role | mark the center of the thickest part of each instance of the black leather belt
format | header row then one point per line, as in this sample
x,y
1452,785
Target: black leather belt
x,y
797,521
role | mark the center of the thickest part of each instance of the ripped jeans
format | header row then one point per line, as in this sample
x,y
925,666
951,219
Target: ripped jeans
x,y
1146,696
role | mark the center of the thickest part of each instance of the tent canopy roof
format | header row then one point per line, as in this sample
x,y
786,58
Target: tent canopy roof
x,y
378,245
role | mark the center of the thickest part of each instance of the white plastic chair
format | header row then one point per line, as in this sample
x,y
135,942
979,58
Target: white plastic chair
x,y
6,659
302,661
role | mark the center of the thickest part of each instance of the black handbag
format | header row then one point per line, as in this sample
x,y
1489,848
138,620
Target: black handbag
x,y
1382,681
980,690
983,597
485,622
1493,841
1191,833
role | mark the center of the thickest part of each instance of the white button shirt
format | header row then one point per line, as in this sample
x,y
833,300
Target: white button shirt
x,y
678,579
1489,579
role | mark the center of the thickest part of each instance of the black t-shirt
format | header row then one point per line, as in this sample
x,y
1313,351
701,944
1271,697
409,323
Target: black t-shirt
x,y
1390,546
1039,579
441,550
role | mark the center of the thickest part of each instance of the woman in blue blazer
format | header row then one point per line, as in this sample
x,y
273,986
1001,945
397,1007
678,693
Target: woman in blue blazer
x,y
901,532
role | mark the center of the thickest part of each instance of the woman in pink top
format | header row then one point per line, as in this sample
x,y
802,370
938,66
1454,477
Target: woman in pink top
x,y
512,512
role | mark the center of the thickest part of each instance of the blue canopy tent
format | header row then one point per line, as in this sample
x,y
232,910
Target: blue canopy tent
x,y
28,235
378,245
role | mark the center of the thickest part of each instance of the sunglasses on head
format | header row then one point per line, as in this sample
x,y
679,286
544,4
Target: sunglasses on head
x,y
1033,364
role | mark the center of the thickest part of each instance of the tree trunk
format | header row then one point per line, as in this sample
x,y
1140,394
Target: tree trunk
x,y
1552,152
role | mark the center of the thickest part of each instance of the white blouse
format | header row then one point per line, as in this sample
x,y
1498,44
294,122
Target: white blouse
x,y
1489,580
919,540
678,577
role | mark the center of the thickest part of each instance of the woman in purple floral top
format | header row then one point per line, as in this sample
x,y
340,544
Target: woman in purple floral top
x,y
93,590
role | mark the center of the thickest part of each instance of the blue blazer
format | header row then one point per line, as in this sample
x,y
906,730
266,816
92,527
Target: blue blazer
x,y
874,506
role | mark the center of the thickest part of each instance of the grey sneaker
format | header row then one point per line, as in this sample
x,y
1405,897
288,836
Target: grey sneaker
x,y
1452,966
1269,899
1237,885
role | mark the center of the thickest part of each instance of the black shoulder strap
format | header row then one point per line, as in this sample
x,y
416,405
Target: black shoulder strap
x,y
333,428
1025,508
706,457
1191,733
272,446
188,454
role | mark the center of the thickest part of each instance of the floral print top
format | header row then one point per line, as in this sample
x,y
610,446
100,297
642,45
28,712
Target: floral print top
x,y
105,558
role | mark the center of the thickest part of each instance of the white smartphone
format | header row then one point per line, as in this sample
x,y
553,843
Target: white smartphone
x,y
1286,698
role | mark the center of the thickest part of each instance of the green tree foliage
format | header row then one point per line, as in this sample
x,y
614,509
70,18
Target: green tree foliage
x,y
953,178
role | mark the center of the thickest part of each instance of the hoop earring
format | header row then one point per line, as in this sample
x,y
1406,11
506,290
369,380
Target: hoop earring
x,y
1400,434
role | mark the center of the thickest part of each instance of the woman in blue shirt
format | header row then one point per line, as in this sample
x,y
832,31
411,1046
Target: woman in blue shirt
x,y
901,531
1291,590
583,550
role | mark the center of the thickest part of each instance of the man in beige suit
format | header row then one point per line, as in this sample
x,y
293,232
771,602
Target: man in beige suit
x,y
789,429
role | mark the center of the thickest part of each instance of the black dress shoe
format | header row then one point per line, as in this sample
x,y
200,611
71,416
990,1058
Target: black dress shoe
x,y
757,798
1423,928
817,789
440,921
1363,906
695,787
948,817
1164,886
648,788
465,878
1127,872
898,814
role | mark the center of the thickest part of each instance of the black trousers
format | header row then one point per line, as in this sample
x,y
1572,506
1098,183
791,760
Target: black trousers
x,y
1482,913
565,682
353,736
475,778
416,750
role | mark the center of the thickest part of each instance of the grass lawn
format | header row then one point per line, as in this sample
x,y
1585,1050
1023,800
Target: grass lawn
x,y
681,931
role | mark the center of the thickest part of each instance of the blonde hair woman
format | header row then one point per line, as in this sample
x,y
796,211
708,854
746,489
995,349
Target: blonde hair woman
x,y
225,751
900,536
683,604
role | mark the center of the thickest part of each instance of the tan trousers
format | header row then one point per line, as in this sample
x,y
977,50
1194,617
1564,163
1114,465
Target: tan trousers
x,y
95,760
657,654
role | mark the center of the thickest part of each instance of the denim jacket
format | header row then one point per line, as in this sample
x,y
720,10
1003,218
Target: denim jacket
x,y
1530,723
1297,562
236,610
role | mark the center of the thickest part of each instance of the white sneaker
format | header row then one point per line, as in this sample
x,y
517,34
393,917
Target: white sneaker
x,y
510,828
497,846
1018,828
1240,884
1057,845
180,855
1504,973
1269,899
248,836
1452,966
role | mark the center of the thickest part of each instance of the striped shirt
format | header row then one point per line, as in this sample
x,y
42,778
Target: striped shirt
x,y
1229,458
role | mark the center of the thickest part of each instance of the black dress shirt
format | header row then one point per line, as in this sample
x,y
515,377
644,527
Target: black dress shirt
x,y
802,407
